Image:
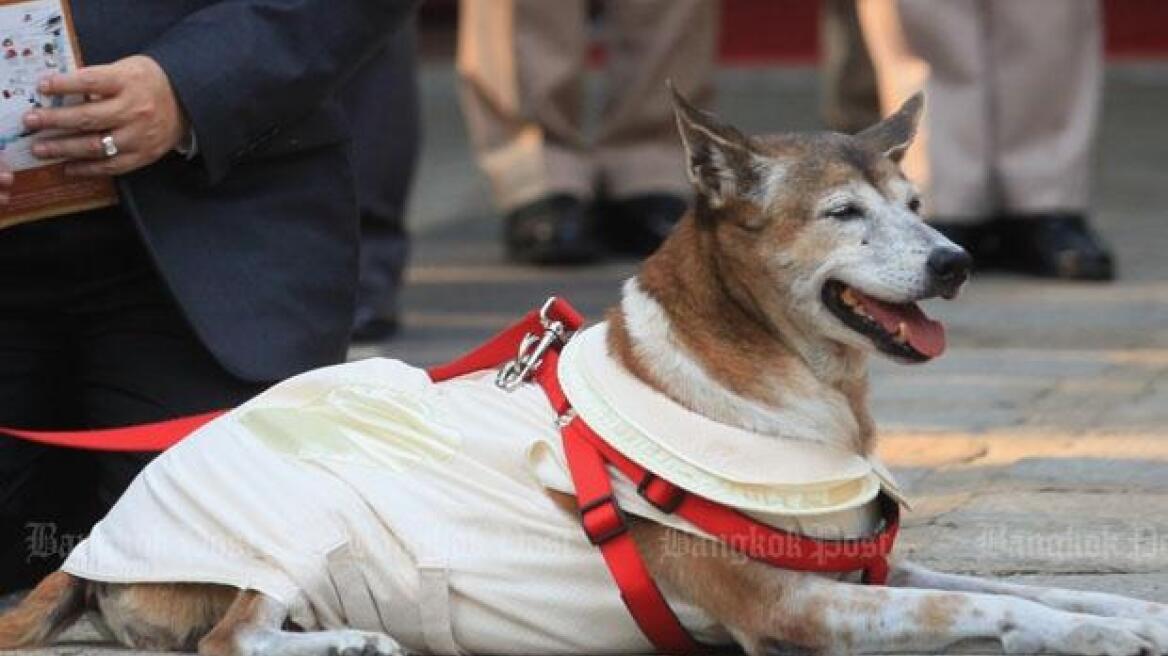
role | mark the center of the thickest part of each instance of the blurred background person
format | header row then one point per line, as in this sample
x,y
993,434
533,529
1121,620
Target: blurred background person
x,y
382,103
849,98
1013,100
899,73
521,65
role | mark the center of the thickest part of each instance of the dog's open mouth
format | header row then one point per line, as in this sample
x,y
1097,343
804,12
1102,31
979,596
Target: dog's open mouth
x,y
898,329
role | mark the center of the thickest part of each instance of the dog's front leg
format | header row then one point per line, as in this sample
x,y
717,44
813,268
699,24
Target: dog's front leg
x,y
253,627
863,619
767,608
906,574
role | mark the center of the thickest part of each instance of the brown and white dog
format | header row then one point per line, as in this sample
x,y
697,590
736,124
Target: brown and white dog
x,y
804,254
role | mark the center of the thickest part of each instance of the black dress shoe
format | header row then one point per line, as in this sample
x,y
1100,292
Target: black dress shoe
x,y
555,229
1056,246
638,224
980,238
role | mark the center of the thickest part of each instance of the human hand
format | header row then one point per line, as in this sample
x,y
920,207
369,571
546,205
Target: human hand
x,y
130,100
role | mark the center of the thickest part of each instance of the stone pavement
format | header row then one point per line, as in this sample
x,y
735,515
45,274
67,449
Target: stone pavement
x,y
1036,449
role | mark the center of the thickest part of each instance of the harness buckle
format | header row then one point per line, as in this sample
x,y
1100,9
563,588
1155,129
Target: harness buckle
x,y
532,349
660,493
563,420
603,520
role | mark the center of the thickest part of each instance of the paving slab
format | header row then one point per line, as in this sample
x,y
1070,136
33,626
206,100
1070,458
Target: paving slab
x,y
1152,587
1045,532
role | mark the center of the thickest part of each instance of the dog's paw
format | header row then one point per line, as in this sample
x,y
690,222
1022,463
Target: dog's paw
x,y
1087,636
1153,631
1150,612
364,643
1106,605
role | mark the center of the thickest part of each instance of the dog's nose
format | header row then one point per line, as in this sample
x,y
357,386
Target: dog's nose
x,y
950,267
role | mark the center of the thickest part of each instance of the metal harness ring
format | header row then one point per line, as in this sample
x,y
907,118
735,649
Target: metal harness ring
x,y
532,349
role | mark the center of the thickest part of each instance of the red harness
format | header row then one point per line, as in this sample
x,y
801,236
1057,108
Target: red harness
x,y
539,337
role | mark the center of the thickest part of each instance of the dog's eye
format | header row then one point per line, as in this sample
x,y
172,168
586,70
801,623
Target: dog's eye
x,y
847,212
914,204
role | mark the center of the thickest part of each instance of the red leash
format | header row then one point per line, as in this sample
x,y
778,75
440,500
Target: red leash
x,y
157,436
529,350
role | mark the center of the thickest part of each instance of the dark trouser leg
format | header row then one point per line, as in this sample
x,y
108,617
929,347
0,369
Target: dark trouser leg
x,y
45,510
113,349
382,102
49,507
42,490
848,96
384,252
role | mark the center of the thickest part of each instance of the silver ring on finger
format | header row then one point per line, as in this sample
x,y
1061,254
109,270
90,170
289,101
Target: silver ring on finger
x,y
108,147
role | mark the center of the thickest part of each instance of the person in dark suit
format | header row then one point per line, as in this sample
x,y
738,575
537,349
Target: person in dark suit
x,y
229,263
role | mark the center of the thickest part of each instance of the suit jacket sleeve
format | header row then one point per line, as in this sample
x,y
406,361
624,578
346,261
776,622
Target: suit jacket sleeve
x,y
243,69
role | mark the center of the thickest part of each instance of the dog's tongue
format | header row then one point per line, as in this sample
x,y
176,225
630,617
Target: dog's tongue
x,y
925,335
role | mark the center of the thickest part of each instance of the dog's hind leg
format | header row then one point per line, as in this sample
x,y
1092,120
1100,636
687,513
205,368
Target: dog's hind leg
x,y
50,608
159,616
910,575
253,627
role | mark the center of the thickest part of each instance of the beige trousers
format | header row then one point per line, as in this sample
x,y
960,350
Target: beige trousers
x,y
521,67
848,92
1013,90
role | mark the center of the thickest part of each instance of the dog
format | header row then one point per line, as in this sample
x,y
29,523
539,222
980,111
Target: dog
x,y
803,255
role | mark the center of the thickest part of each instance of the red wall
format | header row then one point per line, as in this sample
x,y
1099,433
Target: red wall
x,y
760,31
764,31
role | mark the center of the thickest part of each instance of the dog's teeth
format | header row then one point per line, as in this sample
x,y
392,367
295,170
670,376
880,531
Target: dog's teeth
x,y
902,333
852,300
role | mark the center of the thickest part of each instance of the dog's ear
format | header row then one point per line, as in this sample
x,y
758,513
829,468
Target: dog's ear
x,y
720,161
894,135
